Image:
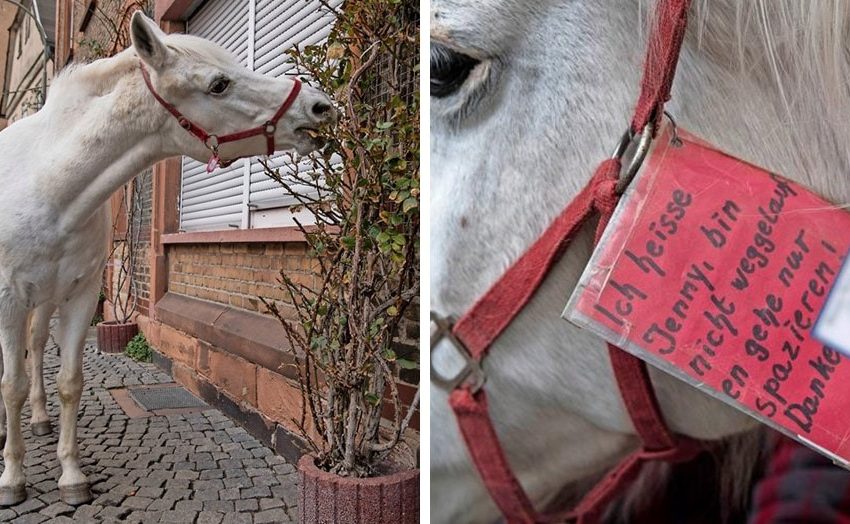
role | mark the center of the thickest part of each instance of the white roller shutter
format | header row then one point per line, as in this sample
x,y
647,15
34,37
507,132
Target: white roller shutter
x,y
258,32
210,201
280,26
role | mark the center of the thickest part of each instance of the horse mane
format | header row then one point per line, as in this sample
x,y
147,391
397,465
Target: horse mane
x,y
802,46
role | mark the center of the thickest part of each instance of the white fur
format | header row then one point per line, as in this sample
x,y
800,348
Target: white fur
x,y
99,127
766,81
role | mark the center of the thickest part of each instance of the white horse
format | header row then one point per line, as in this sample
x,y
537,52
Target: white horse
x,y
99,127
531,96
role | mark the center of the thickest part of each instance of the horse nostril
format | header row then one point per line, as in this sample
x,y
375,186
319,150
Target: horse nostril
x,y
321,108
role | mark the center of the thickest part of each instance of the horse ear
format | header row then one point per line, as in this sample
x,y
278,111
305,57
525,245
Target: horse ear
x,y
147,40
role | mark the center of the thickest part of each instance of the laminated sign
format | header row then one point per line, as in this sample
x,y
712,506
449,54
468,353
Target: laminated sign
x,y
716,271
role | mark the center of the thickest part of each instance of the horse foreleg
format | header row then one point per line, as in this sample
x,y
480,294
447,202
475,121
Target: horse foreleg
x,y
2,407
14,385
74,318
39,333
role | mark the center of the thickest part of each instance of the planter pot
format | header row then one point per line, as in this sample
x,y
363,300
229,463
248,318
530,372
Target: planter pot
x,y
112,337
327,498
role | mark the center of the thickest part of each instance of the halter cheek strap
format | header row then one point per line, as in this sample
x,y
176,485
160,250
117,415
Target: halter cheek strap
x,y
473,335
211,141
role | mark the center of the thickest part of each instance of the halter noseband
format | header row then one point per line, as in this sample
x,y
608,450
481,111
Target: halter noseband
x,y
211,141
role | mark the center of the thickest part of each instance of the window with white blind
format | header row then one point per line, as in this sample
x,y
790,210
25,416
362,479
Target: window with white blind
x,y
258,32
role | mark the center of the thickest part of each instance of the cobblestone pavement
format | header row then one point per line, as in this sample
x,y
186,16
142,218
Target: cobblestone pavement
x,y
196,467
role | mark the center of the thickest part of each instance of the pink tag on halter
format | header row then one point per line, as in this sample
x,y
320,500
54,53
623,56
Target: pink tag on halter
x,y
715,271
213,164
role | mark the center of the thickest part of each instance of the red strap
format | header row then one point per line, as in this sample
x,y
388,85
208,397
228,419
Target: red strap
x,y
473,417
267,129
631,372
185,123
471,408
662,56
492,313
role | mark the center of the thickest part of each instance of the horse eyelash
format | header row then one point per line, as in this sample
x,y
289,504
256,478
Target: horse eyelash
x,y
475,97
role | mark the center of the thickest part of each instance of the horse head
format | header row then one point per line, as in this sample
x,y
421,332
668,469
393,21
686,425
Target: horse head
x,y
211,90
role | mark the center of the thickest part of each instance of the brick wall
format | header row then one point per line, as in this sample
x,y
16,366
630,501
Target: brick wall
x,y
237,274
407,346
141,277
100,26
265,401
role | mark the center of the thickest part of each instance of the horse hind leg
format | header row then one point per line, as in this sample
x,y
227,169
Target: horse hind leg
x,y
38,334
74,318
14,386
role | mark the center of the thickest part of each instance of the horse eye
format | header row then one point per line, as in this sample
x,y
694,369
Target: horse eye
x,y
449,70
219,86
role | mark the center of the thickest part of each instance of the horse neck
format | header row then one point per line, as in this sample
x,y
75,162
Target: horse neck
x,y
103,128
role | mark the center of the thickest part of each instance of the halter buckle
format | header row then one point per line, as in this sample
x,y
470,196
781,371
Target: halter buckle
x,y
184,123
644,140
471,374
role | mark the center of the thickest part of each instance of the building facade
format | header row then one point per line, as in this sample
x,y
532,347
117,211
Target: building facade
x,y
210,245
26,58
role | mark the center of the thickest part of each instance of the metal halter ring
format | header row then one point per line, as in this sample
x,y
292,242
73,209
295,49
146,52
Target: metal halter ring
x,y
642,148
270,128
211,142
471,373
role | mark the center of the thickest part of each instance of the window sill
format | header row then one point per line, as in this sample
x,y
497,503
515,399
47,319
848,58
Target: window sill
x,y
272,234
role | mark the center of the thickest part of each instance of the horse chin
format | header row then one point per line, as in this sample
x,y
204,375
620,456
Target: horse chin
x,y
306,144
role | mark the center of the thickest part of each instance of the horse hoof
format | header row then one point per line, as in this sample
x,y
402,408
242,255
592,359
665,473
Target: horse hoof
x,y
41,429
10,496
75,495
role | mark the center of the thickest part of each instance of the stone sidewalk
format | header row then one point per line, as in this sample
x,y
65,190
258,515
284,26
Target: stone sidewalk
x,y
195,466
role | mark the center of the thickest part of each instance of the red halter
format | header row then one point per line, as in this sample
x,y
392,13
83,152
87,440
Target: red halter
x,y
474,333
213,141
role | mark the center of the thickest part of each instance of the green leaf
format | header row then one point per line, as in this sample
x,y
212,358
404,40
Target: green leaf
x,y
389,355
407,364
372,399
409,204
392,311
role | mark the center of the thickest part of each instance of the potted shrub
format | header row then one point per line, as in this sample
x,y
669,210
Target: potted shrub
x,y
363,195
114,335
